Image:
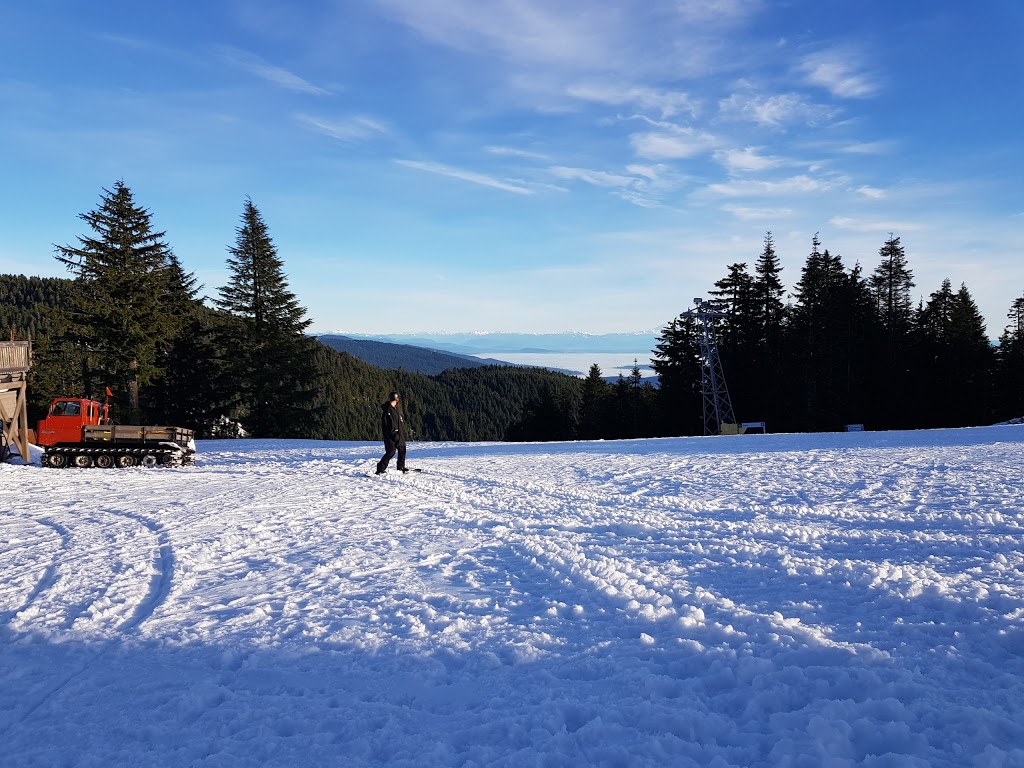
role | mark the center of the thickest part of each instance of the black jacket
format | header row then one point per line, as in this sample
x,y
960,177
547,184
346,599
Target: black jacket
x,y
392,425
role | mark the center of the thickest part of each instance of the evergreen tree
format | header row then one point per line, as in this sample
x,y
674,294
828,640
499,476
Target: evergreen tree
x,y
1010,364
738,333
677,362
817,343
974,361
123,312
954,361
593,405
768,293
764,400
890,286
268,368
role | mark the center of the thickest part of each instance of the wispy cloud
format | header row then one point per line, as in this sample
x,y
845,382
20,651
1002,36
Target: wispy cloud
x,y
745,160
750,213
514,152
595,178
526,30
351,129
463,175
869,148
873,193
716,11
777,110
794,185
666,103
277,76
674,145
860,225
840,72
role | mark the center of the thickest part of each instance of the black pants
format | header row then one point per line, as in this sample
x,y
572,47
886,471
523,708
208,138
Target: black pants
x,y
390,449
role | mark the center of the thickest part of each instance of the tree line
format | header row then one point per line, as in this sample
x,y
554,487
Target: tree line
x,y
847,348
130,326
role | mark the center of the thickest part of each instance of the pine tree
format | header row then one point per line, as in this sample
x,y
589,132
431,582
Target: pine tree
x,y
813,343
890,286
268,369
1010,364
768,321
594,405
972,362
738,333
677,361
124,311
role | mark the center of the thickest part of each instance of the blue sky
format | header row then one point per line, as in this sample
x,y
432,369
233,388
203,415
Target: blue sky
x,y
522,165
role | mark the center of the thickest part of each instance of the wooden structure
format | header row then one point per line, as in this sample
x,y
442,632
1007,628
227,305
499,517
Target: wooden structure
x,y
15,360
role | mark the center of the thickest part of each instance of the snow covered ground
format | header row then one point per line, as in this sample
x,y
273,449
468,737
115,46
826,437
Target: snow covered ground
x,y
761,600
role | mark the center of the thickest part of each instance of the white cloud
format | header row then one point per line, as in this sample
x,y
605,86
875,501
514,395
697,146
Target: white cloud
x,y
859,225
564,39
513,152
747,159
716,11
595,178
868,148
794,185
282,78
873,193
666,103
677,145
838,72
463,175
352,129
749,213
776,111
524,30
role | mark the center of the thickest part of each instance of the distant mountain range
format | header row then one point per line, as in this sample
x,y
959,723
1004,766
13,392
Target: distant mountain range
x,y
497,343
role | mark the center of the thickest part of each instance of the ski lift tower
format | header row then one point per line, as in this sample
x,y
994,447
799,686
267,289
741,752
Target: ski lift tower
x,y
717,404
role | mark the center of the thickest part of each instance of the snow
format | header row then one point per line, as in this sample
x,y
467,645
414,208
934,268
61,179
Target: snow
x,y
850,599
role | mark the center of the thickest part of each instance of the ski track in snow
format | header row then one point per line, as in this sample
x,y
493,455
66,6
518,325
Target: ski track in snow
x,y
752,601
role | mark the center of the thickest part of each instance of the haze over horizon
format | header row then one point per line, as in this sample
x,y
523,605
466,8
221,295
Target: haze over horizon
x,y
519,165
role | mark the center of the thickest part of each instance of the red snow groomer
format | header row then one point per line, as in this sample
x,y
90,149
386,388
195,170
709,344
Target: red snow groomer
x,y
77,432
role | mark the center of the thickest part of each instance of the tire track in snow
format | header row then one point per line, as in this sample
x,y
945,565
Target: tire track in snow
x,y
49,575
162,568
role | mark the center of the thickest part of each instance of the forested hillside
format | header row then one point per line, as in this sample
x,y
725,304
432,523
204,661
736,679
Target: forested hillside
x,y
400,356
28,304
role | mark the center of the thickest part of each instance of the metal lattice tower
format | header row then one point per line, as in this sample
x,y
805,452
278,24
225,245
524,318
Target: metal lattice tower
x,y
717,404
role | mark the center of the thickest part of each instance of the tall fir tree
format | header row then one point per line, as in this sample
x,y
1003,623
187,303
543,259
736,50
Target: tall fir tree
x,y
593,404
769,316
954,361
813,343
268,370
1010,364
677,361
738,334
125,311
890,286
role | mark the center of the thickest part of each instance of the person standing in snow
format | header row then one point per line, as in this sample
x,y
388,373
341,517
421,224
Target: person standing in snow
x,y
393,426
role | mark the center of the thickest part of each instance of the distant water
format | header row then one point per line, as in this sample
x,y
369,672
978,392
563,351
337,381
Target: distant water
x,y
611,363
